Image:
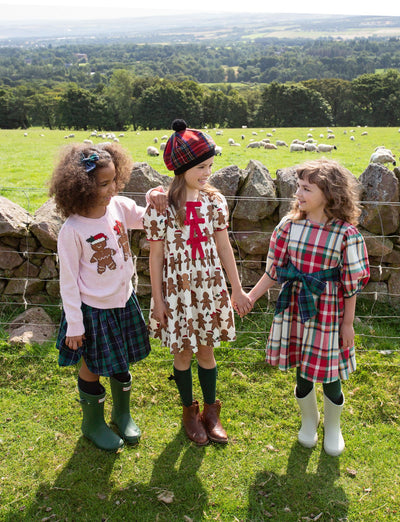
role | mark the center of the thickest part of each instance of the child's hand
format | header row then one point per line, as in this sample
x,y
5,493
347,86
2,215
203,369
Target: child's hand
x,y
74,342
160,313
241,303
158,199
347,335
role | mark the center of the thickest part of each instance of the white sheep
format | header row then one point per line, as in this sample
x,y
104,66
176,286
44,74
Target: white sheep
x,y
152,151
330,137
155,140
162,146
281,143
165,137
230,141
365,133
296,147
253,145
299,142
235,144
218,150
89,142
270,146
382,156
311,147
322,147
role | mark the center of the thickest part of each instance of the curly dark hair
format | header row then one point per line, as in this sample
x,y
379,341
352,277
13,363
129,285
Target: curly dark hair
x,y
74,189
339,186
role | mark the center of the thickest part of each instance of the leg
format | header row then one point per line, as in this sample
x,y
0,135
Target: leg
x,y
333,406
207,371
121,385
307,401
92,395
191,418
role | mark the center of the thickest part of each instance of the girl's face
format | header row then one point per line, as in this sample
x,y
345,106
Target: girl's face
x,y
311,200
197,176
106,187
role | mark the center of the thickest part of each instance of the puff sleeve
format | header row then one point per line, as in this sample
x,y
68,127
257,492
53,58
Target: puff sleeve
x,y
154,225
278,248
220,212
355,266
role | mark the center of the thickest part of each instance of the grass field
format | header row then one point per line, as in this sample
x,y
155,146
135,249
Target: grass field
x,y
26,162
49,472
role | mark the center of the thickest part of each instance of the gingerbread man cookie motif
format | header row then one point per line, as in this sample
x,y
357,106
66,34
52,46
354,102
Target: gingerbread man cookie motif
x,y
123,240
103,255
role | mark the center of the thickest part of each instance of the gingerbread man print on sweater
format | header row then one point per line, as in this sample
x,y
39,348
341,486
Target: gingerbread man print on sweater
x,y
123,240
103,255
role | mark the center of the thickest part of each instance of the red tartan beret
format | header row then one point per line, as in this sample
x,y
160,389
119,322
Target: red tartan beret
x,y
187,148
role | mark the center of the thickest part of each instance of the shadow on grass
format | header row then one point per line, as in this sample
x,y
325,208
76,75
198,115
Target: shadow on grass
x,y
299,494
82,483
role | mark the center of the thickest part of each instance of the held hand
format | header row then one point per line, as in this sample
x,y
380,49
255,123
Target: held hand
x,y
158,200
74,342
241,303
347,335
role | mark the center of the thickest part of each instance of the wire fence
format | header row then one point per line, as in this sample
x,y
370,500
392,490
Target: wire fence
x,y
377,327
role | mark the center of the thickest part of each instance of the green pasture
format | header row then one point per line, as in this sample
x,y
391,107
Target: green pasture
x,y
26,162
49,472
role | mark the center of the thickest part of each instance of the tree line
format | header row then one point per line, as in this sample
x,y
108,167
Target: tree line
x,y
152,103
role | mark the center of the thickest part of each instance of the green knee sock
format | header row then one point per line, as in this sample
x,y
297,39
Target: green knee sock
x,y
208,383
303,387
333,390
183,379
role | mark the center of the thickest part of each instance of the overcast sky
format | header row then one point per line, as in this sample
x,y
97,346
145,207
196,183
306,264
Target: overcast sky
x,y
95,9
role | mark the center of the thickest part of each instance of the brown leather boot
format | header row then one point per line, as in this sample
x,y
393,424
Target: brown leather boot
x,y
193,424
210,416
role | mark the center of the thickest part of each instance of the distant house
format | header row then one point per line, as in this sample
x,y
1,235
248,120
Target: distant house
x,y
81,57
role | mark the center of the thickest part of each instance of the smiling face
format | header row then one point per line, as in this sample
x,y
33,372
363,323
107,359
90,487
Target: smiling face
x,y
106,188
197,177
311,200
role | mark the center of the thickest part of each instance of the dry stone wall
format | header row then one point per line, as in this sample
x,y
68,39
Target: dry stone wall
x,y
28,244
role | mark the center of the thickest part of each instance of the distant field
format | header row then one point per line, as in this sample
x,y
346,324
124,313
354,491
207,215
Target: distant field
x,y
26,162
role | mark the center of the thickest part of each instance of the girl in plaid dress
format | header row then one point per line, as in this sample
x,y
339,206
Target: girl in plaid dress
x,y
102,325
320,258
191,311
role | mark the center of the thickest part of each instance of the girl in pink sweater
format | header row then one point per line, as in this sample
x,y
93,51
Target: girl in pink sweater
x,y
102,325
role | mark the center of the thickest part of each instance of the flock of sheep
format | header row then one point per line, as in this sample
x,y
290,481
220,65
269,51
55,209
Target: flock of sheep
x,y
380,155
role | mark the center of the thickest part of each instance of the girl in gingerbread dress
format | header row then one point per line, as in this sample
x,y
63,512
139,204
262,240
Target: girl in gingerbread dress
x,y
320,257
191,310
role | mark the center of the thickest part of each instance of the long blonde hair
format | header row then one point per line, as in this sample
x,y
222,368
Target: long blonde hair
x,y
177,196
340,188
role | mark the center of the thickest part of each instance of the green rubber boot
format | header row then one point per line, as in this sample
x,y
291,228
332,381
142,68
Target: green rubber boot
x,y
120,415
93,425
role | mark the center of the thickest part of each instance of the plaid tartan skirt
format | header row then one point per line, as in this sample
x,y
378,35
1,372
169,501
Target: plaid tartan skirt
x,y
114,338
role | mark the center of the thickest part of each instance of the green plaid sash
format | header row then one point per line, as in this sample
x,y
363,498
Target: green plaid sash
x,y
312,284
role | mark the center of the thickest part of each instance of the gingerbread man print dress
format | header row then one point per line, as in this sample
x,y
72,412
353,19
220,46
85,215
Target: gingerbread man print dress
x,y
194,286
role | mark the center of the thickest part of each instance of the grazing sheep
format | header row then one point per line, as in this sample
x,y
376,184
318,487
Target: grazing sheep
x,y
155,140
165,137
235,144
265,140
162,146
322,147
352,138
365,133
270,146
299,142
89,142
230,141
254,133
311,147
243,136
253,145
218,149
219,133
296,147
382,156
281,143
330,137
122,135
152,151
269,134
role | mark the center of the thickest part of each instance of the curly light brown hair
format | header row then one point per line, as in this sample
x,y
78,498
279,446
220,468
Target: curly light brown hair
x,y
339,186
74,189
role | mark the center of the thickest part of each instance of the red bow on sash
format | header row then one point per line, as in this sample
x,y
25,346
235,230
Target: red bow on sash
x,y
195,235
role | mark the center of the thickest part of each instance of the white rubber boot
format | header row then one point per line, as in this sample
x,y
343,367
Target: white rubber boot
x,y
307,435
333,439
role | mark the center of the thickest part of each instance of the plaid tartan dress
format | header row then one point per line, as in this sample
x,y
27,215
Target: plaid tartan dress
x,y
314,344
